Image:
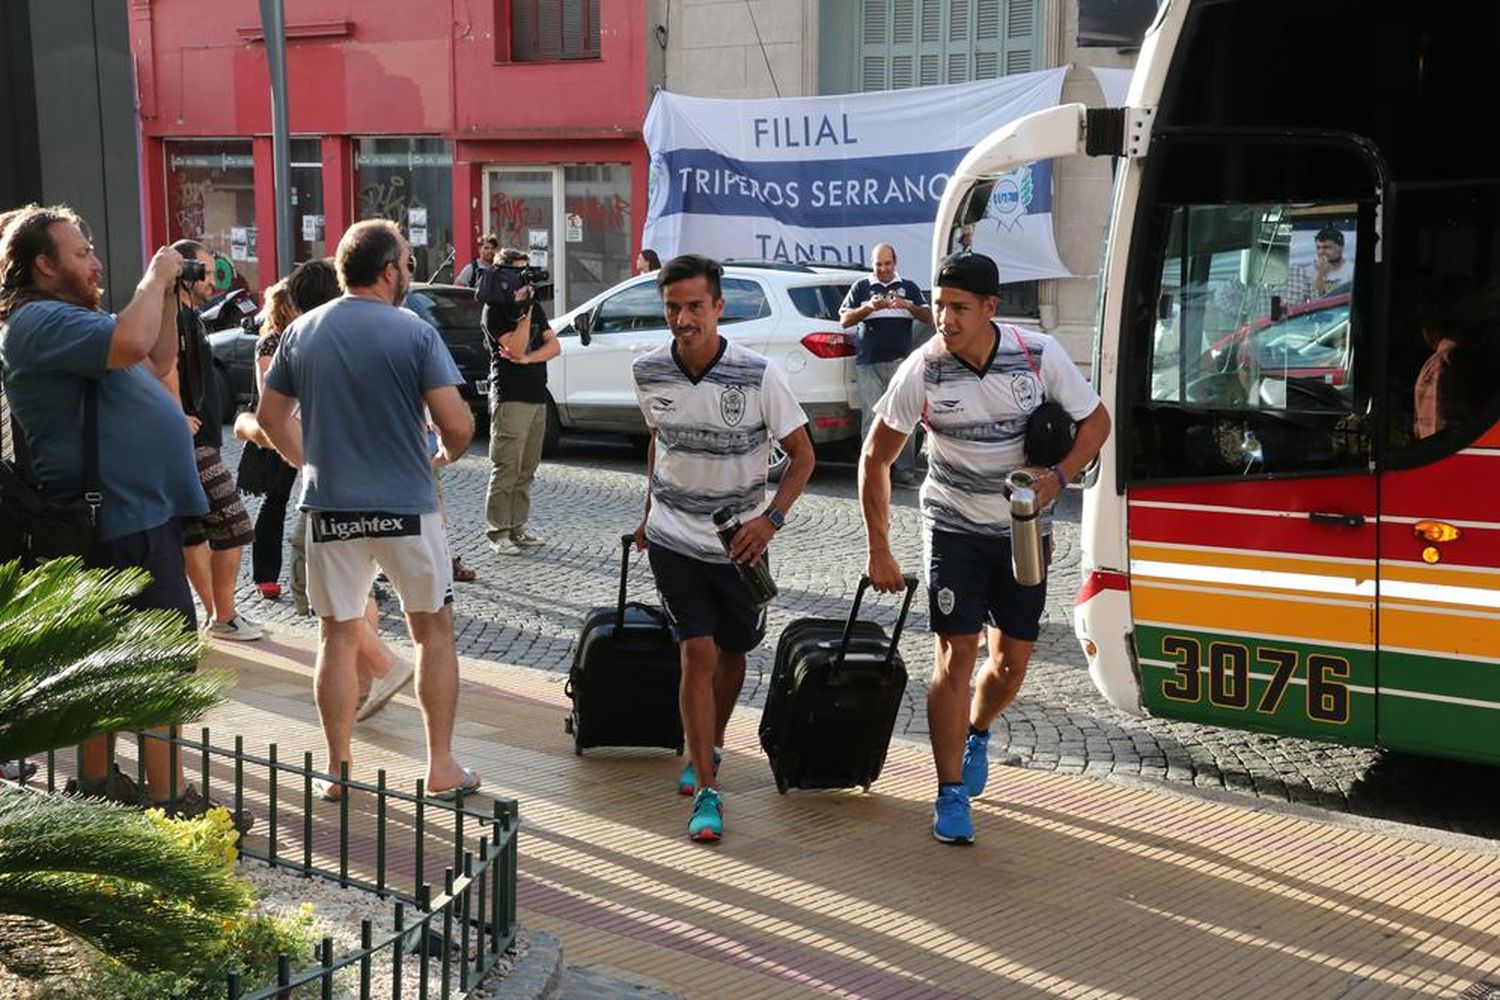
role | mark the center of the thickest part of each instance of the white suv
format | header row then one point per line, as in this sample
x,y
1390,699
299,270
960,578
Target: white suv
x,y
788,312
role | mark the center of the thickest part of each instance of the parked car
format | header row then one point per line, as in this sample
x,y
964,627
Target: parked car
x,y
788,312
452,309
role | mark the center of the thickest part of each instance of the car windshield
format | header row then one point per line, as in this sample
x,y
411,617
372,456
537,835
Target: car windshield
x,y
447,310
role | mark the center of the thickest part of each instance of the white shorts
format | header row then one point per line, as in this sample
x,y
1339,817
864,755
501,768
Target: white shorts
x,y
345,549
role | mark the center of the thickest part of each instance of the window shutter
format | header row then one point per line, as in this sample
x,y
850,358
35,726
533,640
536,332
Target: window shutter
x,y
906,43
875,18
987,24
1023,36
902,72
873,77
958,21
548,30
958,67
523,45
932,22
931,71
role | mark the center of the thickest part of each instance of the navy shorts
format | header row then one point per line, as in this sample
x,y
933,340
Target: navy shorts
x,y
704,598
158,551
969,584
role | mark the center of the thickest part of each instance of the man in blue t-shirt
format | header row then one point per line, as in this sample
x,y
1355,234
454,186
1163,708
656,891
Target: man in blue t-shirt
x,y
54,343
364,371
884,305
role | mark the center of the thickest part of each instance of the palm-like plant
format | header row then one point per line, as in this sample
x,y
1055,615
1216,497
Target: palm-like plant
x,y
74,664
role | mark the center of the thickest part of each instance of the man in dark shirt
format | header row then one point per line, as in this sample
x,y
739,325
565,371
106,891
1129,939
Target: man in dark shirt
x,y
518,419
212,543
884,305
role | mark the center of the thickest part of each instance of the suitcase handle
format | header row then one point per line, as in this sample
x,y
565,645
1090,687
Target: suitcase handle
x,y
626,541
859,594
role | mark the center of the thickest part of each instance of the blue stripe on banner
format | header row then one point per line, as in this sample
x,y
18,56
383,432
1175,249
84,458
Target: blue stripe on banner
x,y
834,193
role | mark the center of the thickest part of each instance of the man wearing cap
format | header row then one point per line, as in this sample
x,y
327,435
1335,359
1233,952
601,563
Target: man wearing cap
x,y
974,386
884,305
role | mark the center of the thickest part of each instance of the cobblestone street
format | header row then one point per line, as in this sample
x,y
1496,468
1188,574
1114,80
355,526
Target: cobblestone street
x,y
525,610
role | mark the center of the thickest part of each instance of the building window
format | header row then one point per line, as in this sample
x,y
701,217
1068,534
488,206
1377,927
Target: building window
x,y
546,30
920,43
410,182
211,199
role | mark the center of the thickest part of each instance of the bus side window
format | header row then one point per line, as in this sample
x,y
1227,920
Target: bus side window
x,y
1252,363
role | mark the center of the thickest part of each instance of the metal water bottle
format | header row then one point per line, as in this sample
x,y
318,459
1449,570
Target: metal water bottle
x,y
1026,562
757,576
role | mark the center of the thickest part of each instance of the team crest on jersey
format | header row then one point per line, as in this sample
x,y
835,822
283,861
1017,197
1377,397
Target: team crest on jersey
x,y
732,405
1025,389
945,601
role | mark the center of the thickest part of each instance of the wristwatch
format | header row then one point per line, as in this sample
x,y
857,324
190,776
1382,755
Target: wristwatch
x,y
776,517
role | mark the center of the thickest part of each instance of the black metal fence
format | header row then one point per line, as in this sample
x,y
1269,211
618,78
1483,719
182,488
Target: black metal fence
x,y
466,926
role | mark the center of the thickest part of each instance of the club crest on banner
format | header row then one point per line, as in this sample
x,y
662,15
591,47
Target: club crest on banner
x,y
732,405
1011,198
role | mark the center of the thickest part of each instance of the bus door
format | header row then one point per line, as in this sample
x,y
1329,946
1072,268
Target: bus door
x,y
1439,622
1245,398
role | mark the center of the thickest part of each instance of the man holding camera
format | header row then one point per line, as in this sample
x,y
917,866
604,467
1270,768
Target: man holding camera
x,y
518,408
885,306
214,542
59,348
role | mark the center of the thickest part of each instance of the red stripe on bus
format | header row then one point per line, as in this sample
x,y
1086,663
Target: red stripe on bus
x,y
1472,547
1099,581
1294,535
1347,493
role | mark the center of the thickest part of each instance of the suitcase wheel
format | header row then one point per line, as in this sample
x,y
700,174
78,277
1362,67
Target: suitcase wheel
x,y
568,725
577,749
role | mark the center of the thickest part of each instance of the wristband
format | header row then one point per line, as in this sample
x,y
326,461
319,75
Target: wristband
x,y
1062,480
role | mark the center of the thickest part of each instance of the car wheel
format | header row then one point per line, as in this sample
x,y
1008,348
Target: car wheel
x,y
552,436
777,463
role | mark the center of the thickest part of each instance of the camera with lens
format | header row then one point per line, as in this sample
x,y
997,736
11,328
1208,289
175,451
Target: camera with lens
x,y
498,289
192,270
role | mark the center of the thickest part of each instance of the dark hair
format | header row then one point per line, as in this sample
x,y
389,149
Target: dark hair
x,y
1328,234
26,234
312,283
510,255
190,249
489,240
653,262
691,265
365,250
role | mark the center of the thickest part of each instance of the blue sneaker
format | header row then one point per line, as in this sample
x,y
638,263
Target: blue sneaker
x,y
976,763
687,783
950,817
706,825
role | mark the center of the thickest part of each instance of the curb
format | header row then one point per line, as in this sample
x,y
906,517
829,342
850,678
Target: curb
x,y
536,974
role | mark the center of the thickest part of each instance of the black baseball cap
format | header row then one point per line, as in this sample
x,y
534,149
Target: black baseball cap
x,y
969,272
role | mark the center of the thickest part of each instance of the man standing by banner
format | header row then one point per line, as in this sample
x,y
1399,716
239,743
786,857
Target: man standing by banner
x,y
884,305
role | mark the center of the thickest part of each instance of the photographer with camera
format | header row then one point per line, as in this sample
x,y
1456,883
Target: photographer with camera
x,y
214,542
521,343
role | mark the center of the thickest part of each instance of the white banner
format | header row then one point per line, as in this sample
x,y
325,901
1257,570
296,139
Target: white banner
x,y
1114,82
824,179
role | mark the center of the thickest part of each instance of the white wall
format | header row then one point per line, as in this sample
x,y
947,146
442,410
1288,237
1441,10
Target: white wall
x,y
730,48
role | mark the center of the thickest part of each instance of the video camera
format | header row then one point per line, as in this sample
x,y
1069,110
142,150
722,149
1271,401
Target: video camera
x,y
192,270
498,289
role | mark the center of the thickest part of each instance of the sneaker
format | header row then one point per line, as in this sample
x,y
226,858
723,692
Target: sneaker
x,y
125,790
687,783
526,539
950,816
239,628
505,546
706,825
192,803
270,591
976,763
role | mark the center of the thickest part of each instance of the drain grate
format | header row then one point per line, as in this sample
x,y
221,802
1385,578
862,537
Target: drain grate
x,y
1485,989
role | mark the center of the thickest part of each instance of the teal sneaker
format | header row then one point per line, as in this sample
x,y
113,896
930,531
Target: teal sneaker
x,y
706,825
950,816
977,763
687,784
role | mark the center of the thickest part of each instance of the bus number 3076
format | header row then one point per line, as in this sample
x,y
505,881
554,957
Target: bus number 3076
x,y
1229,675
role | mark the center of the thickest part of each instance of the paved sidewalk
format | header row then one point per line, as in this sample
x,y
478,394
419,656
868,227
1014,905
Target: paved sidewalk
x,y
1075,888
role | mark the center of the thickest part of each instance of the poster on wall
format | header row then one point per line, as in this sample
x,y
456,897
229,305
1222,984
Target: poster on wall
x,y
1115,24
824,179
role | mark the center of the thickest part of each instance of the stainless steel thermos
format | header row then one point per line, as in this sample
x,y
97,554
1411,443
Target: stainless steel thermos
x,y
757,576
1026,561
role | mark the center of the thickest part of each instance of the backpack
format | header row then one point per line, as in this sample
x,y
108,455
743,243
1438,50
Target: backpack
x,y
33,528
473,270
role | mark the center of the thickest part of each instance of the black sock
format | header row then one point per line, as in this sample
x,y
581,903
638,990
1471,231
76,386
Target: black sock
x,y
977,732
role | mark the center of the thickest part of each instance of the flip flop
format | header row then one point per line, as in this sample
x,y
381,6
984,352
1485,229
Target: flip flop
x,y
383,689
470,785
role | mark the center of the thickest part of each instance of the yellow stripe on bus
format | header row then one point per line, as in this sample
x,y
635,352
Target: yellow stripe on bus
x,y
1420,627
1358,569
1330,622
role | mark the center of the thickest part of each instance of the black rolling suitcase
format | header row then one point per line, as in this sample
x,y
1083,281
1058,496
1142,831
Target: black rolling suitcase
x,y
625,674
836,688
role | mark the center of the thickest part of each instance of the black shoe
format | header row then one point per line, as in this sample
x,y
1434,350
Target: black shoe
x,y
118,787
193,803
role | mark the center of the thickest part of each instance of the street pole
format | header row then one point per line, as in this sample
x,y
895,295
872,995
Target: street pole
x,y
273,26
